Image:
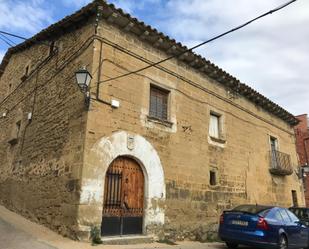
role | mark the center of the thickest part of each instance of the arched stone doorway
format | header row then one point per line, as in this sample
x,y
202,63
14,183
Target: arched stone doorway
x,y
123,207
96,164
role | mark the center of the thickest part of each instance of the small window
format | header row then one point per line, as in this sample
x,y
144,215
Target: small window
x,y
27,70
274,143
158,103
51,48
9,89
214,125
294,198
212,178
17,131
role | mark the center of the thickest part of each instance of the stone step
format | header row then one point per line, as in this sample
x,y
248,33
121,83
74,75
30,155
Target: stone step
x,y
127,240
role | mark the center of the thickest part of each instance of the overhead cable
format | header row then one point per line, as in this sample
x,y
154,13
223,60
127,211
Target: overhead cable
x,y
203,43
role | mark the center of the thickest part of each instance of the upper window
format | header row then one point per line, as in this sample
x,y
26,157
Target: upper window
x,y
27,70
158,107
273,143
51,48
214,125
17,129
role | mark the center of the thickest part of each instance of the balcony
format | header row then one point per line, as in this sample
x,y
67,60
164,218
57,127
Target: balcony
x,y
280,163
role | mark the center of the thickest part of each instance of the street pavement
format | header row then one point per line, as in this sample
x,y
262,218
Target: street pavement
x,y
13,238
17,232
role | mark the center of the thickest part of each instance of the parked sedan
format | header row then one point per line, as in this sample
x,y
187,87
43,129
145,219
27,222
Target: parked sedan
x,y
262,226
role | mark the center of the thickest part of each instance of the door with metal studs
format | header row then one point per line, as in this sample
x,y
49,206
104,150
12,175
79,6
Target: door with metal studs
x,y
123,198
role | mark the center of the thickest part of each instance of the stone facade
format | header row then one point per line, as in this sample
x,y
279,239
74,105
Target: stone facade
x,y
40,170
302,144
54,171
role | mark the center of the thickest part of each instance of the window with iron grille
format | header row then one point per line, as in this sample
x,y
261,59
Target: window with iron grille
x,y
158,107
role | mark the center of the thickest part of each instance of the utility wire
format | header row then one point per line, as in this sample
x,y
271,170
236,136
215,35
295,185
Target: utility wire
x,y
13,35
203,43
68,58
4,40
23,38
8,39
12,43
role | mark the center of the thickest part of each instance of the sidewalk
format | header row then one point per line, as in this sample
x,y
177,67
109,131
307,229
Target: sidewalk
x,y
16,232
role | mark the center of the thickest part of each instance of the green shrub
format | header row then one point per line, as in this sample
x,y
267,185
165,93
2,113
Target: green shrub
x,y
95,235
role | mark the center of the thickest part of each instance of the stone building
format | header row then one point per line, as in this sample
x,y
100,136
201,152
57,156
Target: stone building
x,y
302,146
160,152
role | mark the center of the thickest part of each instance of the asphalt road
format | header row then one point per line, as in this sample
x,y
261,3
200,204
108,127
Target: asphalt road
x,y
12,238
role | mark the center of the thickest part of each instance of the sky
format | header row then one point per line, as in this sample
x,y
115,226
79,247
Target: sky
x,y
270,55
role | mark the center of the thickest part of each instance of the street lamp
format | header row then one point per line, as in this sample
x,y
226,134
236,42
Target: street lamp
x,y
83,78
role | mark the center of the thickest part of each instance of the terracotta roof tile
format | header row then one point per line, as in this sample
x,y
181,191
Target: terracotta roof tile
x,y
91,8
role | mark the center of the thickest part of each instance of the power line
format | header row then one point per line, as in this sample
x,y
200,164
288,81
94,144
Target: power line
x,y
4,40
8,39
13,35
23,38
70,58
12,43
203,43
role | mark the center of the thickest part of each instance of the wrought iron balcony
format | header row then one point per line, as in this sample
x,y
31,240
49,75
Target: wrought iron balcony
x,y
280,163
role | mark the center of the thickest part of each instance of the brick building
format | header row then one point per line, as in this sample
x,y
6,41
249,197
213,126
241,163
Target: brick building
x,y
160,152
302,144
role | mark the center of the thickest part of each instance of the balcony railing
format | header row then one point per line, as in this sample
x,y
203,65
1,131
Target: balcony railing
x,y
280,163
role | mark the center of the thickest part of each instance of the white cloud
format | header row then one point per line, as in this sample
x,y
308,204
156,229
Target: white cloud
x,y
134,5
26,16
271,55
128,6
76,3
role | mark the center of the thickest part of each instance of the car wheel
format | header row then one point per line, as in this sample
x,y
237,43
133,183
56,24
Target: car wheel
x,y
283,242
231,245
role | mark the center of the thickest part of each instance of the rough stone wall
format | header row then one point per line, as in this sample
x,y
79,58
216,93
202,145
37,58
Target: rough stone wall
x,y
40,171
186,151
302,146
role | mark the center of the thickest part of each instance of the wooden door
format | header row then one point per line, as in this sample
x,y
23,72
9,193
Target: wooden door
x,y
123,198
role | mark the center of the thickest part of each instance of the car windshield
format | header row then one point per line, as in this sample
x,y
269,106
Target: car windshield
x,y
252,209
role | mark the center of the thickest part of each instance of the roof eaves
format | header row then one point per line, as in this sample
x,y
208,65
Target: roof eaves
x,y
215,72
192,59
49,32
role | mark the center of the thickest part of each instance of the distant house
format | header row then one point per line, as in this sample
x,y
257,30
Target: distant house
x,y
160,152
302,144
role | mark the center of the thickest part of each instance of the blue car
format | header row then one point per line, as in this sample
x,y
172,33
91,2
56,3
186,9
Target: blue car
x,y
262,227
